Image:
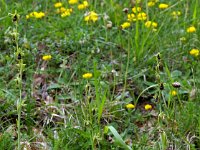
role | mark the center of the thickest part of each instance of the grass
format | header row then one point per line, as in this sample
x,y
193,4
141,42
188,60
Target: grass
x,y
47,103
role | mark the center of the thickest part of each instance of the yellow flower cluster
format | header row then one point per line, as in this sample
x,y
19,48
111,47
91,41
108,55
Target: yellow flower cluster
x,y
191,29
194,52
71,2
46,57
137,14
175,14
62,10
37,15
151,3
67,12
91,16
84,5
163,6
87,75
125,25
151,24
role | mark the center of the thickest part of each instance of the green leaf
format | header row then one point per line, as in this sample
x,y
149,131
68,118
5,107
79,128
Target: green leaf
x,y
119,138
54,86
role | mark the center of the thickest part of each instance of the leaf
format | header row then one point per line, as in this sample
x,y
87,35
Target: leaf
x,y
119,138
176,73
54,86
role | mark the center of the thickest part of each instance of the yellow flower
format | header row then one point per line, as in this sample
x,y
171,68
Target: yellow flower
x,y
194,52
73,2
175,14
81,6
130,106
150,4
35,14
131,17
91,16
125,25
173,93
57,5
142,16
85,3
27,16
147,107
39,15
61,10
87,75
191,29
149,24
163,6
136,9
46,57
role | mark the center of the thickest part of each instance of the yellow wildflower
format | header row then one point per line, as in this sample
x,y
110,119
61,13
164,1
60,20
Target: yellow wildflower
x,y
150,4
163,6
131,17
149,24
66,13
173,93
125,25
130,106
84,5
147,107
87,75
136,9
142,16
39,15
46,57
191,29
91,16
175,14
27,16
194,52
81,6
73,2
35,14
61,10
57,5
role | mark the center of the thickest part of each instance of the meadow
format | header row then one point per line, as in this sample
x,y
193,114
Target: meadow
x,y
99,75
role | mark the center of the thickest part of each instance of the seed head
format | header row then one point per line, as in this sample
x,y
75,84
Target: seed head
x,y
176,85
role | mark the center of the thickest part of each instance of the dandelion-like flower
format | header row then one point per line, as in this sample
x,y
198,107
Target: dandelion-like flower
x,y
91,16
66,13
163,6
150,24
47,57
136,9
151,4
175,14
84,5
57,5
194,52
125,25
130,106
142,16
87,75
173,93
147,107
191,29
37,15
71,2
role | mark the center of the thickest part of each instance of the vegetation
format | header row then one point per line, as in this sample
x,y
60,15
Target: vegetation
x,y
99,74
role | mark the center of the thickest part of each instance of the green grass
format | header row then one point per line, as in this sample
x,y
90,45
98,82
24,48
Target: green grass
x,y
47,104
